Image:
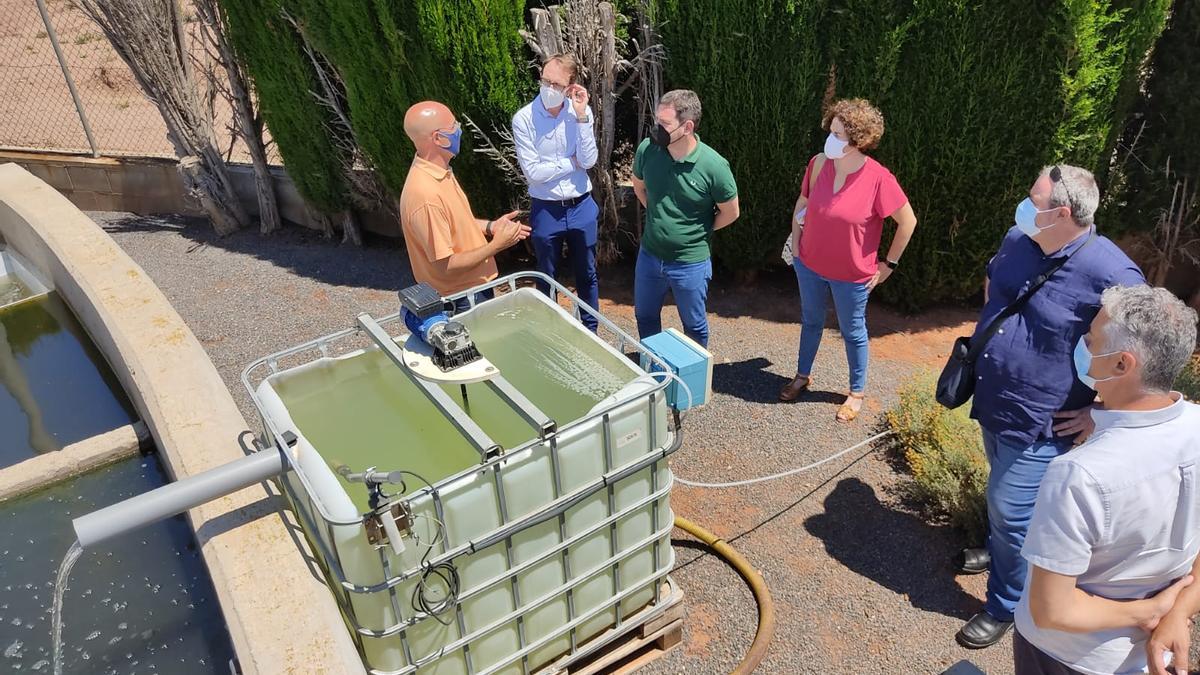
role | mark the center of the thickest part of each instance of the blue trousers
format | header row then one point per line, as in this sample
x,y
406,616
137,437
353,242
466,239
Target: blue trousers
x,y
688,282
463,304
1016,474
850,301
554,225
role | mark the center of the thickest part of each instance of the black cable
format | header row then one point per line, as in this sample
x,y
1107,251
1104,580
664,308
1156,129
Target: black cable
x,y
444,572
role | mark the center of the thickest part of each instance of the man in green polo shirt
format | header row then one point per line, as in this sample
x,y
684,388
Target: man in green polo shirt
x,y
688,192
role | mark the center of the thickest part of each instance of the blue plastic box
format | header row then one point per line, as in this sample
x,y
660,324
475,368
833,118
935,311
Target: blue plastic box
x,y
691,362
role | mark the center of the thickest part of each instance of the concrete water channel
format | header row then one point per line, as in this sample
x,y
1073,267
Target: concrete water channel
x,y
105,394
146,604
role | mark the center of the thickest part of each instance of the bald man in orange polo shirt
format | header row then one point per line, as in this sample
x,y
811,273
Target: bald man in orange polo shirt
x,y
448,247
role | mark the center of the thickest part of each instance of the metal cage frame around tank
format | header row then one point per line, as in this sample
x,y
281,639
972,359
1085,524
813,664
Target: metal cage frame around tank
x,y
660,450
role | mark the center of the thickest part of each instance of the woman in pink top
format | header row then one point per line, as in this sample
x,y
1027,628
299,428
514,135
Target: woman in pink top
x,y
836,231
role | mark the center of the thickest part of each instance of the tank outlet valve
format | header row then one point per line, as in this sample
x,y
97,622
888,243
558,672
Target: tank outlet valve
x,y
387,523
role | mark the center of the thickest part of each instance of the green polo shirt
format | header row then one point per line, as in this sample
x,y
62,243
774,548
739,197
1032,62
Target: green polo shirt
x,y
681,199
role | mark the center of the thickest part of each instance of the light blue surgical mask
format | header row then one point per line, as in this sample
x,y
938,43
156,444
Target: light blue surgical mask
x,y
1083,364
1026,218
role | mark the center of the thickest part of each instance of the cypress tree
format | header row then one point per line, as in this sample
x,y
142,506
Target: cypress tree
x,y
760,76
1161,134
977,97
284,78
464,53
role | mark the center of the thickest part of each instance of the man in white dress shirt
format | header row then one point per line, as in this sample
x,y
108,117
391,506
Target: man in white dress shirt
x,y
1116,526
556,145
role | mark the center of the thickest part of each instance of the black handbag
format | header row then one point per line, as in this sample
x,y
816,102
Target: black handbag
x,y
956,384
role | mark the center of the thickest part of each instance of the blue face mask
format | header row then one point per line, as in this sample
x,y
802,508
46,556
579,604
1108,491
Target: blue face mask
x,y
1026,218
455,138
1083,364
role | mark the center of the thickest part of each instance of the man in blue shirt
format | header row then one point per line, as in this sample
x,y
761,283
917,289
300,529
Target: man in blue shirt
x,y
556,145
1028,401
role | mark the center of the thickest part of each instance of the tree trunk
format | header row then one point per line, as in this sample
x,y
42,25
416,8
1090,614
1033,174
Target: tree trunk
x,y
587,29
200,183
745,277
249,125
144,35
321,219
351,234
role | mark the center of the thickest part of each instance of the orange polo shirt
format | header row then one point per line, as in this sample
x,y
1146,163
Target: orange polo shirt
x,y
437,222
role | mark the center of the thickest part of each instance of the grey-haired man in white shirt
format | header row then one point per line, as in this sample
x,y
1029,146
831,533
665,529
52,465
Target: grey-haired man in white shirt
x,y
1116,528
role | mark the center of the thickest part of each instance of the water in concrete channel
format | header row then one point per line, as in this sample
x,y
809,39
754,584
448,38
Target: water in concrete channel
x,y
12,290
55,386
142,603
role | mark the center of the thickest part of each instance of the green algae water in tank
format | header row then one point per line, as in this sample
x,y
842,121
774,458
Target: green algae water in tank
x,y
543,551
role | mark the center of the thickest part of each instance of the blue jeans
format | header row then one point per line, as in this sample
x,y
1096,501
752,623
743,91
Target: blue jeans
x,y
850,301
1016,474
688,282
554,225
463,304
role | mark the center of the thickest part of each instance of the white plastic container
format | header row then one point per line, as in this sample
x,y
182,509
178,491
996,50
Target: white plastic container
x,y
552,542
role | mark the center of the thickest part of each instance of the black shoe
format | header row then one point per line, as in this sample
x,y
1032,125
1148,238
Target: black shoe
x,y
972,560
982,631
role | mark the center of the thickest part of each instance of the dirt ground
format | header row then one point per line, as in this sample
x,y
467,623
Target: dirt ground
x,y
36,109
861,581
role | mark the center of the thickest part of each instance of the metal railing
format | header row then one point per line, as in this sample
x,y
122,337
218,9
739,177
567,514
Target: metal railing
x,y
322,533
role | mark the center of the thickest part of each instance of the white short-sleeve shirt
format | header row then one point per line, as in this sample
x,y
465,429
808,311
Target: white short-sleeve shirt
x,y
1121,514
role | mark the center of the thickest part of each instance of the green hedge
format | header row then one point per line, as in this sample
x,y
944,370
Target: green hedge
x,y
283,74
977,97
1189,380
391,55
760,75
1162,133
466,53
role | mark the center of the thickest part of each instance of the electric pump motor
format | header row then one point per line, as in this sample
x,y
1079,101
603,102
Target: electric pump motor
x,y
425,315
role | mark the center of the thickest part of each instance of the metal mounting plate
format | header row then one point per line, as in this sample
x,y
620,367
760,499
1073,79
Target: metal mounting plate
x,y
418,356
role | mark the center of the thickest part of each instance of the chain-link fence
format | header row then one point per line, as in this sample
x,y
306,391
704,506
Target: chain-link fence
x,y
48,48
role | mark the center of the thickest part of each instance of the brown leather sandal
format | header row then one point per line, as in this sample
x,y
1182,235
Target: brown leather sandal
x,y
848,414
792,390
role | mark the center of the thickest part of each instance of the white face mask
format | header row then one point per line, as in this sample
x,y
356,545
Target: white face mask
x,y
551,97
835,148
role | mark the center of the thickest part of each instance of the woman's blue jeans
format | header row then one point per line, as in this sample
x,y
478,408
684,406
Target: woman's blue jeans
x,y
850,301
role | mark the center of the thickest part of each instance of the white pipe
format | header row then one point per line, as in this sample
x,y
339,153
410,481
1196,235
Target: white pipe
x,y
175,498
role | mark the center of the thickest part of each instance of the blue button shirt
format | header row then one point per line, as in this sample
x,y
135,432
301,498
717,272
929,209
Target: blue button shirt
x,y
554,151
1026,372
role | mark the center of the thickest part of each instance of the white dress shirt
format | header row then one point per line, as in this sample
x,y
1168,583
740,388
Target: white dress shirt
x,y
554,151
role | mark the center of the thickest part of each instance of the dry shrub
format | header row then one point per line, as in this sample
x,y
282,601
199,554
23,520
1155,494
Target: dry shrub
x,y
943,451
1189,380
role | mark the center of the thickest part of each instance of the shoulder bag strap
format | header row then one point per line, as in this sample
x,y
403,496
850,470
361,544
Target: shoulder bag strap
x,y
818,164
978,344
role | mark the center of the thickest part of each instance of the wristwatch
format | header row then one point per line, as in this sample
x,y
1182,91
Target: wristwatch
x,y
892,265
488,229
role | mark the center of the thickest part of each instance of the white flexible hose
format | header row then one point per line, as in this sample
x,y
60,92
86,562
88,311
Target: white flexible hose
x,y
790,472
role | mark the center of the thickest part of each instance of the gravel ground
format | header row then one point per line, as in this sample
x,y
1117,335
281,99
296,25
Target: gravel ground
x,y
860,582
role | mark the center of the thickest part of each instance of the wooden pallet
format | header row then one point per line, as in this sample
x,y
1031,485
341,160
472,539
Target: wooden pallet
x,y
641,639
